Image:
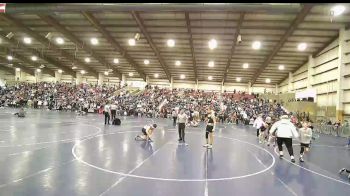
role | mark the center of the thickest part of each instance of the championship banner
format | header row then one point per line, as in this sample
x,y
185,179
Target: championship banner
x,y
2,7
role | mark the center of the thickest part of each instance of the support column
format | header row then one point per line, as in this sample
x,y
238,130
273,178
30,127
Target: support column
x,y
38,76
58,76
310,69
341,71
101,77
19,76
290,82
196,85
147,80
123,80
171,82
276,89
222,87
249,88
78,79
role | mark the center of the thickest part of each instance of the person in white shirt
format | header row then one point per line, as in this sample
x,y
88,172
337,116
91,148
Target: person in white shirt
x,y
305,139
107,111
260,125
182,120
113,110
284,131
174,115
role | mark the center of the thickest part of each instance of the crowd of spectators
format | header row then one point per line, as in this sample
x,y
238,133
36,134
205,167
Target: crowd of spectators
x,y
153,102
58,96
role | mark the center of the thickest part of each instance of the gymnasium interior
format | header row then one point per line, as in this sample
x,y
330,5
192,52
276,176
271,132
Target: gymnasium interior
x,y
98,98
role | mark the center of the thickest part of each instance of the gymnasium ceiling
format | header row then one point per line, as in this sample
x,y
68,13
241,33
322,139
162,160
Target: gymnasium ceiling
x,y
279,28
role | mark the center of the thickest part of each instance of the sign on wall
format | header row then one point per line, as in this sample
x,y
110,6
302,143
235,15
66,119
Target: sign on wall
x,y
2,7
306,94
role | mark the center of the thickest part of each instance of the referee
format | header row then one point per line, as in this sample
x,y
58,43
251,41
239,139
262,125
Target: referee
x,y
182,119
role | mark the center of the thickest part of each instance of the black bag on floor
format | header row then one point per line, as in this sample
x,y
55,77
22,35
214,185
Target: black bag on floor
x,y
116,121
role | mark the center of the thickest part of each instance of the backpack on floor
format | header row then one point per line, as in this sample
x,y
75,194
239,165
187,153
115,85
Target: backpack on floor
x,y
116,121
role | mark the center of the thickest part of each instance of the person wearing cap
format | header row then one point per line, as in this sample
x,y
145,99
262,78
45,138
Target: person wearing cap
x,y
284,131
147,132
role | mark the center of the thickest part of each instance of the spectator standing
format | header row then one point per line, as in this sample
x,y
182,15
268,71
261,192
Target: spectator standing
x,y
337,127
107,111
174,115
113,110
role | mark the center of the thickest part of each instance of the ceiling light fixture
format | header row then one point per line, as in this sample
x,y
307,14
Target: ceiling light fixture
x,y
281,67
27,40
60,71
245,65
267,80
337,10
116,61
34,58
131,74
238,79
94,41
211,64
146,62
256,45
182,76
18,69
210,77
302,46
48,36
106,73
10,35
177,63
212,44
132,42
87,59
171,42
82,72
156,75
9,57
59,40
239,39
38,70
74,67
137,36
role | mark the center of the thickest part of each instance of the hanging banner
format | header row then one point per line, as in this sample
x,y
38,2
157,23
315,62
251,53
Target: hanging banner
x,y
308,94
2,7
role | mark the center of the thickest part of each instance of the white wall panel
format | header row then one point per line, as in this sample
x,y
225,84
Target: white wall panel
x,y
327,66
324,77
326,87
300,84
326,100
184,85
331,54
214,87
346,96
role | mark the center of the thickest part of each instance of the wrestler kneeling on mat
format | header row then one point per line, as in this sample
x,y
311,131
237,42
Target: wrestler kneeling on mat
x,y
147,132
